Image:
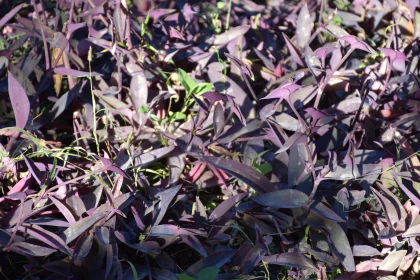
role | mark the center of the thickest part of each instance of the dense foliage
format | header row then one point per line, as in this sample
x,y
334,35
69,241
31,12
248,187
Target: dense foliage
x,y
209,140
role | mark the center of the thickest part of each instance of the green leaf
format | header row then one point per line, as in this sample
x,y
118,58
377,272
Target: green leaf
x,y
133,269
144,24
209,273
210,206
221,5
184,277
202,88
178,116
154,118
143,109
150,47
187,82
264,168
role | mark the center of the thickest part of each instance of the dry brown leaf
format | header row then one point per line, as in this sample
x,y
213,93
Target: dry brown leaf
x,y
57,78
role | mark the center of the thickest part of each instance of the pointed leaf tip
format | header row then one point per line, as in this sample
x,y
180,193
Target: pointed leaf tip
x,y
19,100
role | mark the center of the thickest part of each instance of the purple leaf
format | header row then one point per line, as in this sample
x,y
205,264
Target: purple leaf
x,y
239,130
304,27
20,101
137,218
282,91
323,52
392,215
176,162
103,235
392,261
82,247
342,204
296,138
293,259
195,244
74,73
10,15
355,43
141,270
149,247
165,199
48,221
120,22
166,262
63,210
412,231
362,46
336,58
158,13
35,172
410,195
98,10
61,268
152,156
313,62
73,27
350,39
4,236
243,172
339,243
267,62
47,237
173,33
392,54
213,97
30,249
138,87
224,84
231,34
349,172
64,101
293,51
236,110
163,274
216,260
364,251
321,210
289,198
244,67
124,200
81,226
303,96
171,230
297,157
225,206
76,205
14,215
336,31
108,166
218,120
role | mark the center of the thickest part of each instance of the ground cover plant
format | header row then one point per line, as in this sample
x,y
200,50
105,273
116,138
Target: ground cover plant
x,y
209,139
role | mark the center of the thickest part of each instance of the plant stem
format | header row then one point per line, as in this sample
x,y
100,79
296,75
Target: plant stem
x,y
228,15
